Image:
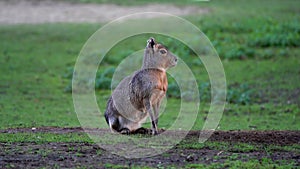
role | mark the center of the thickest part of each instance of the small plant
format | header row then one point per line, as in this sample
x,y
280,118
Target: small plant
x,y
239,94
281,35
204,89
173,90
103,80
240,52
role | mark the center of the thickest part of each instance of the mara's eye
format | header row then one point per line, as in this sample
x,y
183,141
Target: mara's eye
x,y
163,51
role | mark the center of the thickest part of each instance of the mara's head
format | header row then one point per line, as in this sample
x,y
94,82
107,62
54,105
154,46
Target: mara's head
x,y
158,56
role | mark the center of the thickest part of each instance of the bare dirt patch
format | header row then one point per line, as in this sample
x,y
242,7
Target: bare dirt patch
x,y
261,137
71,155
49,11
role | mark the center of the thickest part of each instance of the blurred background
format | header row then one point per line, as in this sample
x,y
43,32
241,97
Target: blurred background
x,y
257,41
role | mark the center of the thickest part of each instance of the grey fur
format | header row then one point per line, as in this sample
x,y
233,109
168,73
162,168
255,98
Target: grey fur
x,y
139,95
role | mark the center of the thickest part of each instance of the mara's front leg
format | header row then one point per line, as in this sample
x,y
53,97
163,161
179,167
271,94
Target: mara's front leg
x,y
152,116
156,99
156,107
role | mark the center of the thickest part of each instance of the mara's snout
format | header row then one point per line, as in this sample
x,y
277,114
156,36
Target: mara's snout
x,y
173,61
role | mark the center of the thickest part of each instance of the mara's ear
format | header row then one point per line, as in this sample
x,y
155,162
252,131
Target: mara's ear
x,y
150,42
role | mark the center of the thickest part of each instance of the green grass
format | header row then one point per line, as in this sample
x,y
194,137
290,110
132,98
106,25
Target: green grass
x,y
236,147
36,61
115,166
41,138
264,163
235,154
191,143
258,44
129,2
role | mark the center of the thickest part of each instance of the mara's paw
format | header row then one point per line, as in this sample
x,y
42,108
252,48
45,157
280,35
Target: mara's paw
x,y
154,132
142,130
125,131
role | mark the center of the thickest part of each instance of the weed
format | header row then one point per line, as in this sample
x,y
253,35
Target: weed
x,y
32,87
281,35
43,137
260,164
260,57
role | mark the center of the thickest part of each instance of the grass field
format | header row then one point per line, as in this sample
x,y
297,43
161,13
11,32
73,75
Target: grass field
x,y
257,42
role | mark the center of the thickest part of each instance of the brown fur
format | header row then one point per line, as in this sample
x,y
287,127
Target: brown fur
x,y
138,90
140,95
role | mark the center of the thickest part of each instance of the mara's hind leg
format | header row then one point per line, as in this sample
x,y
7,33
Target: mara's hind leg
x,y
113,123
117,124
113,119
111,116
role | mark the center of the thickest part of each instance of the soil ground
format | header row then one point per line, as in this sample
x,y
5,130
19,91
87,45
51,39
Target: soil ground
x,y
71,155
28,154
